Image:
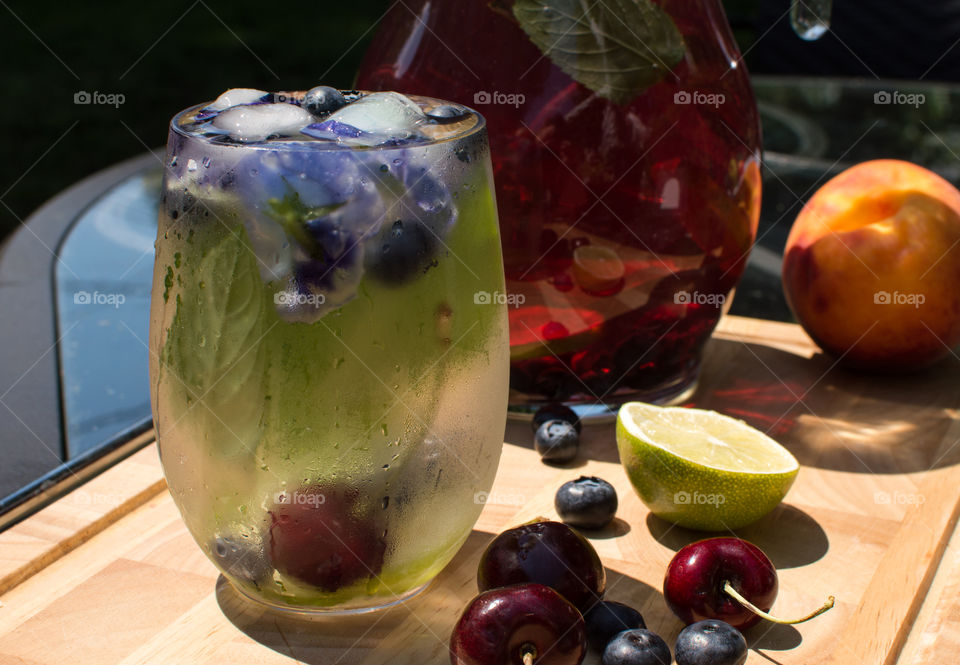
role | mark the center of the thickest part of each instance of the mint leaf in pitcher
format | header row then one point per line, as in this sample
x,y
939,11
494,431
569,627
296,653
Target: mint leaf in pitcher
x,y
617,48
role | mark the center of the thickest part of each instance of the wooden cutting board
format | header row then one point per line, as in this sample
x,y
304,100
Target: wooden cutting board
x,y
108,574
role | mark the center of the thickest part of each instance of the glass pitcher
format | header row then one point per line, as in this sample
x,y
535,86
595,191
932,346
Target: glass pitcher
x,y
626,149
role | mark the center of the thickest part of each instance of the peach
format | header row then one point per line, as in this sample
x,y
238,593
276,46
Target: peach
x,y
872,266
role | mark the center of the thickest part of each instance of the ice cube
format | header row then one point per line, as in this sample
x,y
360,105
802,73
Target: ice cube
x,y
257,122
235,97
377,118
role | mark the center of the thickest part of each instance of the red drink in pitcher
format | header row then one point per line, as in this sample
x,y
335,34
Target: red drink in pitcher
x,y
627,206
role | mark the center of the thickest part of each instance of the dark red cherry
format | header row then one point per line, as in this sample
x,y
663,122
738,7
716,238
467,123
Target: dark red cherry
x,y
524,624
326,536
549,553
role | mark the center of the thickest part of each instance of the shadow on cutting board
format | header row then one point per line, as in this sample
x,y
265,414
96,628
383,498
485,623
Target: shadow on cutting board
x,y
789,536
833,418
827,416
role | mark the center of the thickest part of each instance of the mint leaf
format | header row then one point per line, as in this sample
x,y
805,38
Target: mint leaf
x,y
617,48
291,214
213,351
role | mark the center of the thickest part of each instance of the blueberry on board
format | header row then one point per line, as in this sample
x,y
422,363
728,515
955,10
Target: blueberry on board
x,y
608,618
637,647
710,642
557,441
587,502
555,411
323,100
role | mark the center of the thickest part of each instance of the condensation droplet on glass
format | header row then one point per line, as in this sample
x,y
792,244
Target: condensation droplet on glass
x,y
202,341
206,162
810,19
383,429
398,162
191,165
202,284
173,161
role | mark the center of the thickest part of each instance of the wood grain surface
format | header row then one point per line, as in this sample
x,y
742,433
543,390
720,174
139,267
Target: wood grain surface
x,y
110,575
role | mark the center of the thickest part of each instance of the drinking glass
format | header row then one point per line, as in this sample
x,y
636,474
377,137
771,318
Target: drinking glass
x,y
329,360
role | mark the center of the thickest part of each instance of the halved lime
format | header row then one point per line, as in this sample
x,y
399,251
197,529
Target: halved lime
x,y
701,469
597,268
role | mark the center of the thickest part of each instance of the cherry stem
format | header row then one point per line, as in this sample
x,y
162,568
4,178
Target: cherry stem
x,y
529,653
728,588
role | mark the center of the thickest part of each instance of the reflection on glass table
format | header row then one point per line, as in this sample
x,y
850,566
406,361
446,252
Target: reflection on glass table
x,y
103,303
